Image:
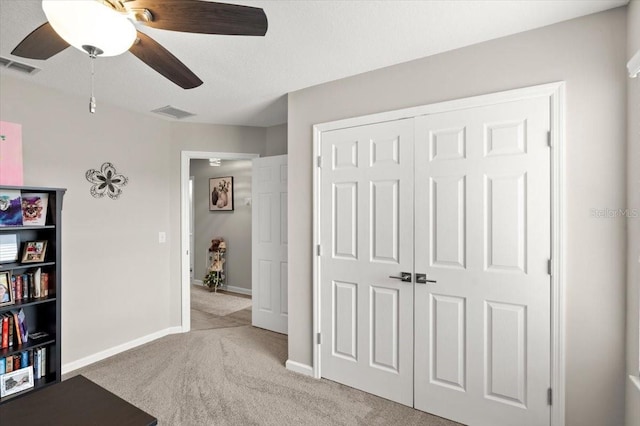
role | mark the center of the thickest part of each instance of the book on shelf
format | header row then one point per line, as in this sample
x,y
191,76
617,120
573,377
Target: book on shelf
x,y
10,327
24,359
4,341
23,326
17,329
36,282
37,360
44,284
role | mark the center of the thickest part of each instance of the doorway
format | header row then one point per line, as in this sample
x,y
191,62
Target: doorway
x,y
186,251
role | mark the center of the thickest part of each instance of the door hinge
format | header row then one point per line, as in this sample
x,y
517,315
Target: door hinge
x,y
319,161
319,338
549,397
549,266
549,138
319,250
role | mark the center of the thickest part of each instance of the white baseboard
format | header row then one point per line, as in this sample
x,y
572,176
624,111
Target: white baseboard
x,y
83,362
233,289
299,368
228,288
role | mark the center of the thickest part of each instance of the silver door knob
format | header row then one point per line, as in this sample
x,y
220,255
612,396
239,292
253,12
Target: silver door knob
x,y
405,277
422,279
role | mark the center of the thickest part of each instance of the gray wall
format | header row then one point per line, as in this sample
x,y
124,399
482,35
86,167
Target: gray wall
x,y
589,54
119,284
276,140
633,224
115,273
234,226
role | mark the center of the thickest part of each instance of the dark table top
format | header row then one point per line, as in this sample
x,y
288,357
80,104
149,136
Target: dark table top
x,y
74,402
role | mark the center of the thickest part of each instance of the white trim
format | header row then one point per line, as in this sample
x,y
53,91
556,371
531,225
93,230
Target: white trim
x,y
317,136
239,290
556,94
99,356
185,281
634,379
198,282
299,368
558,237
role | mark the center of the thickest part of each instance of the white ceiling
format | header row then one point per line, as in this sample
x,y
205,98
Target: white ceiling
x,y
308,43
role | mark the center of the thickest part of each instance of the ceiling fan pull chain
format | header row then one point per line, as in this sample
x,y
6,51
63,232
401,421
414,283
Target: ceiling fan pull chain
x,y
92,100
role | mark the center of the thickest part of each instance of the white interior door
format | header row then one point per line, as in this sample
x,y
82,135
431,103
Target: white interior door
x,y
482,233
468,193
366,237
269,243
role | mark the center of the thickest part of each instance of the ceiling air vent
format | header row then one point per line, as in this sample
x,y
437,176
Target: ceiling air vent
x,y
173,112
17,66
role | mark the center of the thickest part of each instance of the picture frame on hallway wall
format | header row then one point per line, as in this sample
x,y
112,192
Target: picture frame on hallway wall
x,y
221,194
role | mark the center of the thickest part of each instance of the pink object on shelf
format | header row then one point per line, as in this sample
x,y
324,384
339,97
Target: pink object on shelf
x,y
10,154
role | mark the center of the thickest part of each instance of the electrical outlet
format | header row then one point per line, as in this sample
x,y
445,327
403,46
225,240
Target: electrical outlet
x,y
162,237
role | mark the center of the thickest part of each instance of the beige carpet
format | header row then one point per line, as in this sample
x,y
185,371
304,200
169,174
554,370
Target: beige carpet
x,y
217,303
218,310
236,376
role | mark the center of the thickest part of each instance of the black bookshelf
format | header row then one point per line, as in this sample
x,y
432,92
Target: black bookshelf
x,y
43,314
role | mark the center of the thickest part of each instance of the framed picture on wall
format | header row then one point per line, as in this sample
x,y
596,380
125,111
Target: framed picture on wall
x,y
221,194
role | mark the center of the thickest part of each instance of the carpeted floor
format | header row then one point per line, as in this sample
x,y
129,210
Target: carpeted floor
x,y
211,310
229,373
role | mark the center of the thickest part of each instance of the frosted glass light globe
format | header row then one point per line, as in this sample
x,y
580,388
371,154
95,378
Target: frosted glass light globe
x,y
91,23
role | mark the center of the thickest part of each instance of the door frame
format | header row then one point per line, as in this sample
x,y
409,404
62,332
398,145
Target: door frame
x,y
556,93
185,282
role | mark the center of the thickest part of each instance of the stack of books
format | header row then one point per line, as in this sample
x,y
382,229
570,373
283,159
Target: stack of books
x,y
32,284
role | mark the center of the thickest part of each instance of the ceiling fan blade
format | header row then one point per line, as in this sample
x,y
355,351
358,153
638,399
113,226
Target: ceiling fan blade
x,y
42,43
196,16
160,59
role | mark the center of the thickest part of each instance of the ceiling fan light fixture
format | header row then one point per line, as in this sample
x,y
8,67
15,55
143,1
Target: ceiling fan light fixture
x,y
90,23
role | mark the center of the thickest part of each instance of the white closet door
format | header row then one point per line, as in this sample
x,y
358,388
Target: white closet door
x,y
366,236
269,243
482,232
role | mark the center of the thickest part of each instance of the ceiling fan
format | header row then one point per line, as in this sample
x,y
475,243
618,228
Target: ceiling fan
x,y
106,28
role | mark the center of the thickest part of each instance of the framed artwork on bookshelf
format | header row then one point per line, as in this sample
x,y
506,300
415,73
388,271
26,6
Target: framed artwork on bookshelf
x,y
9,244
34,208
34,251
6,298
10,208
16,381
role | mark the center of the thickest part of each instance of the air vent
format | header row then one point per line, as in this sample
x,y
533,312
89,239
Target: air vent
x,y
18,66
173,112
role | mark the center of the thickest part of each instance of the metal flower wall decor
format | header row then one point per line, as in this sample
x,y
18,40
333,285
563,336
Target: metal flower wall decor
x,y
106,181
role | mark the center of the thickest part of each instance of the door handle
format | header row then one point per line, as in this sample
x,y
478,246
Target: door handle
x,y
405,277
422,279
